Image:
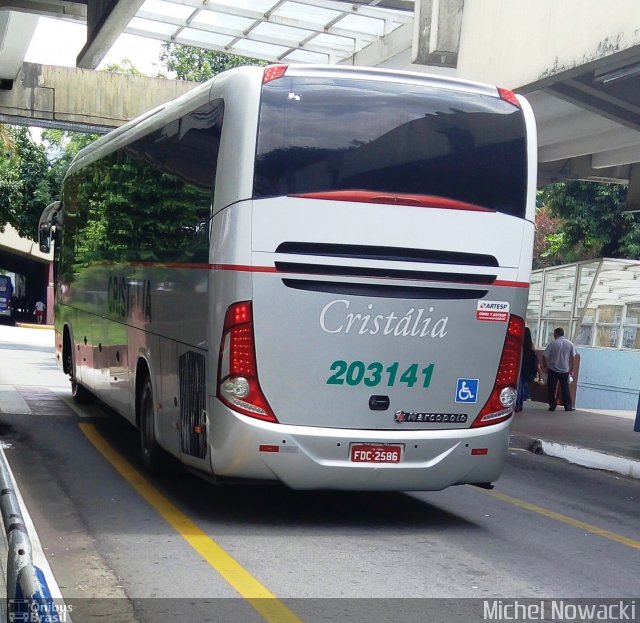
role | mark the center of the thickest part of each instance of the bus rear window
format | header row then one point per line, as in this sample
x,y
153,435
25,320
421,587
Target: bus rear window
x,y
331,134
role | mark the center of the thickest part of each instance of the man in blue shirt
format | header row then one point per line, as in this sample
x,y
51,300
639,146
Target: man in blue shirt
x,y
558,359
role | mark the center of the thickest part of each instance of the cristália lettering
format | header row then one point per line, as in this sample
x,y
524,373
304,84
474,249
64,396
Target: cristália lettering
x,y
339,317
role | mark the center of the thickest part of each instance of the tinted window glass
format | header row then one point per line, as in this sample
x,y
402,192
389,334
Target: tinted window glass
x,y
150,201
324,134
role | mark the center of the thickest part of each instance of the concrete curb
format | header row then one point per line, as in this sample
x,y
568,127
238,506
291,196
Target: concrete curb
x,y
585,457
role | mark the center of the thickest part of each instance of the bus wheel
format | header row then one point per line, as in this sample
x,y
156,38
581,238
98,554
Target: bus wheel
x,y
154,458
80,394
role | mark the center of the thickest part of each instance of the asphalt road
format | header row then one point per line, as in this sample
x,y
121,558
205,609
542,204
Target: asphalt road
x,y
129,547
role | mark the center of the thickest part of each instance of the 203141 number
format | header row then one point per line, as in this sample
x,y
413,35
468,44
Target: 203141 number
x,y
377,373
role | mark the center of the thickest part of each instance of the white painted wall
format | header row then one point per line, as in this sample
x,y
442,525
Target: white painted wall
x,y
402,61
513,43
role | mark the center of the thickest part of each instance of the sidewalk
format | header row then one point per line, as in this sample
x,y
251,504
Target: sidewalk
x,y
592,438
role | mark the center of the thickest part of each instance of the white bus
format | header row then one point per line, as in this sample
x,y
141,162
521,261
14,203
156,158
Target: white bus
x,y
310,274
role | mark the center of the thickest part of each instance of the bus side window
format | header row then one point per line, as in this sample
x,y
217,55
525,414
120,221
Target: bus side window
x,y
170,210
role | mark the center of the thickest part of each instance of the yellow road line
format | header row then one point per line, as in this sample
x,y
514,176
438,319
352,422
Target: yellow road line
x,y
612,536
269,607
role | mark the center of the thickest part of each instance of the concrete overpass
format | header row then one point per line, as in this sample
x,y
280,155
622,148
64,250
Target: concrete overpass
x,y
82,99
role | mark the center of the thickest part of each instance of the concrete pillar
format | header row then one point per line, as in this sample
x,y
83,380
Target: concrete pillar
x,y
436,35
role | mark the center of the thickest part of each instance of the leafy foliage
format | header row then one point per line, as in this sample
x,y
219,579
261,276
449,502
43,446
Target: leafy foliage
x,y
125,66
591,223
121,208
62,148
24,184
549,239
6,140
31,174
199,65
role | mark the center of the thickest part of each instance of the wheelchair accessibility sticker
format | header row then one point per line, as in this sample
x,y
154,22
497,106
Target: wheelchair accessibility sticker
x,y
467,390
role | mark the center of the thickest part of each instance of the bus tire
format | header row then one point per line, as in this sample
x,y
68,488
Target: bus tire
x,y
80,394
155,460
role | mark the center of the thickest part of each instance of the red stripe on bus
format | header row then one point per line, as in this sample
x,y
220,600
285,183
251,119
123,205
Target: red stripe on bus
x,y
205,266
245,268
511,284
194,265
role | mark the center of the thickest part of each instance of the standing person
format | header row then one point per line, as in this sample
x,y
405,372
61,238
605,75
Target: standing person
x,y
529,367
559,359
39,311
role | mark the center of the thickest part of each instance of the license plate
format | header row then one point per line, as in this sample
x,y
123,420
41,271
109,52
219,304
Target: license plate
x,y
375,453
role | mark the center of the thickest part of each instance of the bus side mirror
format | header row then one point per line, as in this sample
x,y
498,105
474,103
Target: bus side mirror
x,y
48,221
44,238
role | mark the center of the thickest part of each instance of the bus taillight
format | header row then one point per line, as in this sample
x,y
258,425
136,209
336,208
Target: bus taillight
x,y
238,385
500,405
273,72
509,96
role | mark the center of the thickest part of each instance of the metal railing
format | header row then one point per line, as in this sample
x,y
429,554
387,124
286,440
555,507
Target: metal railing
x,y
28,596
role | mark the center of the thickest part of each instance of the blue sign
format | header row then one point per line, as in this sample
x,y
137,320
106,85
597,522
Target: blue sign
x,y
467,390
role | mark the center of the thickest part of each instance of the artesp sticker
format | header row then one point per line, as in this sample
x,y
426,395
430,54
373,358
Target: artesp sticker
x,y
493,311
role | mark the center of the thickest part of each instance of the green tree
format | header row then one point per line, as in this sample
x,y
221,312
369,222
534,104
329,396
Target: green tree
x,y
62,148
31,173
24,184
549,239
9,177
125,66
198,65
593,223
6,140
35,188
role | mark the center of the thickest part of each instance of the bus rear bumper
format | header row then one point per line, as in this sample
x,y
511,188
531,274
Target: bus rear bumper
x,y
320,458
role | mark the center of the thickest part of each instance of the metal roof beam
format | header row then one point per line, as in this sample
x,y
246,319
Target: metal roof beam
x,y
246,34
233,49
216,7
185,40
359,9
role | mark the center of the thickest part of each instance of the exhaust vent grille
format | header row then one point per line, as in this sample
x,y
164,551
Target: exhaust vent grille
x,y
193,431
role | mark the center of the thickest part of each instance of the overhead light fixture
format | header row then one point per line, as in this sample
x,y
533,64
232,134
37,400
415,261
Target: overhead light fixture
x,y
607,77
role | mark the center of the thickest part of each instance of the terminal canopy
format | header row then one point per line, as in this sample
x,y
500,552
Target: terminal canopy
x,y
290,31
596,302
